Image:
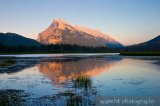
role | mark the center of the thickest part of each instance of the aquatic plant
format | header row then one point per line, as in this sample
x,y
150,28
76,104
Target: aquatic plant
x,y
7,62
12,97
74,101
83,81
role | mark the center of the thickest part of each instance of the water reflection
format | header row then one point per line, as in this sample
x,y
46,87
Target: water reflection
x,y
12,65
77,80
62,71
12,97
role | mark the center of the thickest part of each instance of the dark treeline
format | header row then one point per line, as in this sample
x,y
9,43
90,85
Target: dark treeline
x,y
152,45
57,48
146,48
65,48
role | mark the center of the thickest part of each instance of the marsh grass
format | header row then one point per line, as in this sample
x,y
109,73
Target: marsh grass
x,y
74,101
12,97
7,62
83,81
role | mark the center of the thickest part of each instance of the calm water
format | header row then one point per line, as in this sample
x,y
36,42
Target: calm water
x,y
51,79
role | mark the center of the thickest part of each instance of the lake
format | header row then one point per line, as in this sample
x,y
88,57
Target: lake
x,y
66,79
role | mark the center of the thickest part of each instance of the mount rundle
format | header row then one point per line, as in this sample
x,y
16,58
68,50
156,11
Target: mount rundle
x,y
62,32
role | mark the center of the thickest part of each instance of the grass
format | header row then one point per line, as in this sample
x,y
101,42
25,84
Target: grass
x,y
140,53
7,62
83,81
74,101
12,97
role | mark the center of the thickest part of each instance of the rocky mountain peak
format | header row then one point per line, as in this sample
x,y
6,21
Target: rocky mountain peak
x,y
61,31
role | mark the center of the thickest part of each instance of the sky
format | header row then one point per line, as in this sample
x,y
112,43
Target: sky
x,y
128,21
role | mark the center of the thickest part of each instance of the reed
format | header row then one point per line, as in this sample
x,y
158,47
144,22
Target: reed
x,y
83,81
7,62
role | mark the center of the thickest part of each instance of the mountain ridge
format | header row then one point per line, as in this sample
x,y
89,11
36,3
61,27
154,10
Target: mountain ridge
x,y
13,39
61,31
150,45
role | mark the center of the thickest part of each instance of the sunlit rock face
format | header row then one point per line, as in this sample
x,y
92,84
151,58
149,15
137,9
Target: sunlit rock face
x,y
61,71
62,32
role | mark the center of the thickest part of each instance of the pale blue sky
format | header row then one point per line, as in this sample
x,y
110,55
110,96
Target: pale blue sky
x,y
128,21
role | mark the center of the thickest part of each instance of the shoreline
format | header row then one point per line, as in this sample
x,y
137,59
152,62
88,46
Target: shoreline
x,y
139,54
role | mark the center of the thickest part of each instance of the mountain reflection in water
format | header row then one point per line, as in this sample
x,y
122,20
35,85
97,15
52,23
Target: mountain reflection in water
x,y
61,71
76,79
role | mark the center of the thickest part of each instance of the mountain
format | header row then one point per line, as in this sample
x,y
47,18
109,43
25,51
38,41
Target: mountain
x,y
151,45
13,40
62,32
